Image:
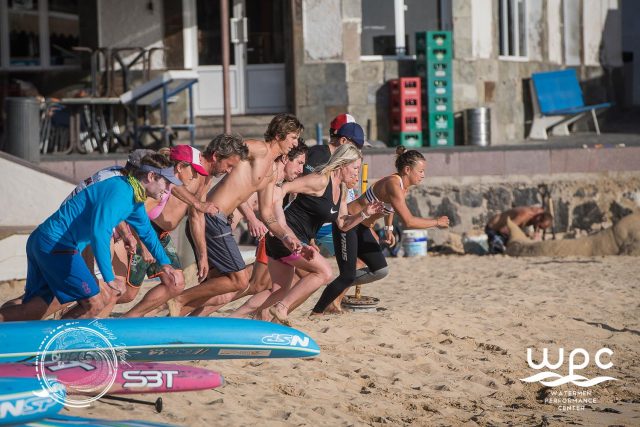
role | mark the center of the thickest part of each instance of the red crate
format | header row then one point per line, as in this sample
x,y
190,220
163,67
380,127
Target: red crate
x,y
406,122
408,105
405,87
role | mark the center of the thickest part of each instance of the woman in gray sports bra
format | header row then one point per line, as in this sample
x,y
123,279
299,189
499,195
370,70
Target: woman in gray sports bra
x,y
361,241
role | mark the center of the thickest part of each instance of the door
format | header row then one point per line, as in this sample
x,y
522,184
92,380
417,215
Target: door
x,y
257,70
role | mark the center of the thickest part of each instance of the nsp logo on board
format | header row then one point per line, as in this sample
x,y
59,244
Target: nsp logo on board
x,y
573,378
34,403
150,378
286,339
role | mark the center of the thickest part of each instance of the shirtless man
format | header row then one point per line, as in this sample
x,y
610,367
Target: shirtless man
x,y
165,216
289,168
522,216
210,235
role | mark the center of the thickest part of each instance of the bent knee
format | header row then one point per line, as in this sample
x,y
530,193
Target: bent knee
x,y
381,273
239,280
94,305
326,274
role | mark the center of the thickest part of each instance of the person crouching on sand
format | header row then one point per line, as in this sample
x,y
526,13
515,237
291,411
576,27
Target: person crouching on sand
x,y
55,265
321,198
391,191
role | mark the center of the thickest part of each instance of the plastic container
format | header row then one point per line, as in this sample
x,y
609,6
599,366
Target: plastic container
x,y
414,243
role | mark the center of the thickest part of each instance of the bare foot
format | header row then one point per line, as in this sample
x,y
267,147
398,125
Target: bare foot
x,y
279,311
174,307
333,308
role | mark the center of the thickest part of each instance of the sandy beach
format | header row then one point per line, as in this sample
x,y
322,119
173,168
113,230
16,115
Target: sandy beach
x,y
447,346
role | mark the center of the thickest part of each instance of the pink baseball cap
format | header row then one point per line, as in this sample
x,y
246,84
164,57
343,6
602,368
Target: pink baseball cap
x,y
338,121
189,154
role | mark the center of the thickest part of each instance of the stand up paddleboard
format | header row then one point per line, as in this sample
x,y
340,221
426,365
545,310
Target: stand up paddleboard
x,y
151,339
23,400
131,378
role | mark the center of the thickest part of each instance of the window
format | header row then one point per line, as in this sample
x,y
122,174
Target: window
x,y
38,33
389,26
513,28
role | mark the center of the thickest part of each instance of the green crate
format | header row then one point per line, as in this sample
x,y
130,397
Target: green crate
x,y
440,121
427,39
439,104
438,87
440,138
439,39
408,139
439,54
439,70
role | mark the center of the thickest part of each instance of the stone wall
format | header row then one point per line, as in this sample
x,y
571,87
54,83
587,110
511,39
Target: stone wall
x,y
582,203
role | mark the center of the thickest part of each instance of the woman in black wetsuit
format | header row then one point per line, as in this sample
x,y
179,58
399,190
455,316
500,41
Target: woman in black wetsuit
x,y
321,198
360,241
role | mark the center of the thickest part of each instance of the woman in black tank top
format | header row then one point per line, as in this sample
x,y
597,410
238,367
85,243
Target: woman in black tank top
x,y
321,198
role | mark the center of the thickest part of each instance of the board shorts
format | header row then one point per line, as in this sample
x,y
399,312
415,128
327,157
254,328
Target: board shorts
x,y
261,251
55,271
222,250
138,268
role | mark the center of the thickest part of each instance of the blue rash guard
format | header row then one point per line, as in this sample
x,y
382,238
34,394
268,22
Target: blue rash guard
x,y
90,216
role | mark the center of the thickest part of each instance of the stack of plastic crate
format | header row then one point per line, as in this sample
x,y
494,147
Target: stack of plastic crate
x,y
406,111
434,51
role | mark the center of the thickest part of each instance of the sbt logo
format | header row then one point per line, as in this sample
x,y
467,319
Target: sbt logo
x,y
285,339
573,378
153,379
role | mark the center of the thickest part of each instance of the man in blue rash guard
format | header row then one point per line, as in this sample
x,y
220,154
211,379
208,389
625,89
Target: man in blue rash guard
x,y
55,265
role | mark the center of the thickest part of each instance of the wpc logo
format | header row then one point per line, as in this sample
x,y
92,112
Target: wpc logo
x,y
573,378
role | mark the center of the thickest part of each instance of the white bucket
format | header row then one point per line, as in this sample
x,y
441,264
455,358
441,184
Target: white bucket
x,y
414,242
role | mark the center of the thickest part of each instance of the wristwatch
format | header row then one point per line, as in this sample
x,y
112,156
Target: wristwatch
x,y
388,228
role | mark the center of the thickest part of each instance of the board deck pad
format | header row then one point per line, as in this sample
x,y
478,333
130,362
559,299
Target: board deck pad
x,y
151,339
131,378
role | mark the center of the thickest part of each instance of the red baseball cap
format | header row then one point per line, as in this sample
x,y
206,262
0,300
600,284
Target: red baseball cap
x,y
189,154
338,121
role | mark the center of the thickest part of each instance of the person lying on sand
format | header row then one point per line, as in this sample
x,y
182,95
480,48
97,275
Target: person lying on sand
x,y
522,216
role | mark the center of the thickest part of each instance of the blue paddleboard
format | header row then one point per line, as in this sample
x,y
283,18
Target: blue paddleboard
x,y
65,420
24,399
152,339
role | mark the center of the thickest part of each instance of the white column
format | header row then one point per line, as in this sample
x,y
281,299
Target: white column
x,y
189,34
398,6
482,28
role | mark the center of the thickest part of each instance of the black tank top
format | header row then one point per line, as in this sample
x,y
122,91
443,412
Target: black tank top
x,y
306,214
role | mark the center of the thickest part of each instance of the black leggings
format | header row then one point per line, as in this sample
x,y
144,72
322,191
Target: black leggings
x,y
349,246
